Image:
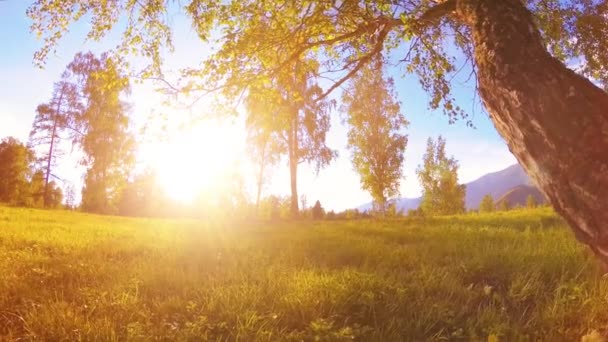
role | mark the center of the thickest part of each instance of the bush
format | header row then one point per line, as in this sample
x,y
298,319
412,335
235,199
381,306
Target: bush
x,y
318,213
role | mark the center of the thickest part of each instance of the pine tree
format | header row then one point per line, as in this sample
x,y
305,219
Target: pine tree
x,y
54,123
318,212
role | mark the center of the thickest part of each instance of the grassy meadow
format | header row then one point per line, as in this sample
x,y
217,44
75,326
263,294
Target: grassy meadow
x,y
510,276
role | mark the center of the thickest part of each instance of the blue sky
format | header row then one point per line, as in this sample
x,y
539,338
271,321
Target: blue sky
x,y
23,86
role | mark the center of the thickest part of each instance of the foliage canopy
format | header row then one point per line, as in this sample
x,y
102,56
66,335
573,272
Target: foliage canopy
x,y
257,39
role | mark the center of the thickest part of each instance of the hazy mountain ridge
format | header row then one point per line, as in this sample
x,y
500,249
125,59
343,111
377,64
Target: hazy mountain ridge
x,y
496,184
518,196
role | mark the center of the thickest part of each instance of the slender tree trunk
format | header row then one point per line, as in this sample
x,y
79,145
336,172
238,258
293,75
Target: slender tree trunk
x,y
48,167
104,191
555,122
51,147
293,163
259,189
260,180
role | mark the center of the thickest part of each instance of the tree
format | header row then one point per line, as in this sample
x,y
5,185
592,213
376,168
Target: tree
x,y
230,198
318,213
531,202
441,193
393,211
37,190
15,161
415,212
55,195
504,205
303,202
552,118
374,137
487,204
70,197
264,146
52,120
285,109
106,142
275,208
142,196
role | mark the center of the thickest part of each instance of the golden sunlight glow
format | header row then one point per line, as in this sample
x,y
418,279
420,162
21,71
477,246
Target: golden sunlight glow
x,y
195,160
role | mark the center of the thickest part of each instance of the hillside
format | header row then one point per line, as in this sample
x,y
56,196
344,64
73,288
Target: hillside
x,y
72,276
518,196
495,184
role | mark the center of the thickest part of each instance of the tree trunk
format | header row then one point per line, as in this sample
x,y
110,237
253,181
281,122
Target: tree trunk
x,y
48,166
555,122
293,164
260,180
51,147
259,190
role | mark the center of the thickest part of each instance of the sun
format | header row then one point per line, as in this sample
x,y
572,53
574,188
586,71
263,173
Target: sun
x,y
195,159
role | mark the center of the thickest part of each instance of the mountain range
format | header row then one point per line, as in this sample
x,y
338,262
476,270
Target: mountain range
x,y
510,184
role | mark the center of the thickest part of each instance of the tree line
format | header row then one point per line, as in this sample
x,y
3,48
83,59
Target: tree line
x,y
88,111
488,204
22,185
280,126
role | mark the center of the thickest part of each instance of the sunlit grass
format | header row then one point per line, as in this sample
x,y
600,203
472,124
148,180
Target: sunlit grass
x,y
517,275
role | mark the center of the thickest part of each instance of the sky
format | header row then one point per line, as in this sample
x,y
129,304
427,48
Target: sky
x,y
23,86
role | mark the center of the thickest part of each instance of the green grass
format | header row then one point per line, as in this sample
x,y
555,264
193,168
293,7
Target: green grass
x,y
516,276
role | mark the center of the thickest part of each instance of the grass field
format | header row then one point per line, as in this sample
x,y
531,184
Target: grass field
x,y
506,276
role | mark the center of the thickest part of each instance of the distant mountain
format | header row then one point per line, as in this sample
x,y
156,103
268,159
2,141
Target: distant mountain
x,y
495,184
403,204
518,196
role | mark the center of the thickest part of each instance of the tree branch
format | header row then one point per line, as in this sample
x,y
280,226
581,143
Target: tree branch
x,y
380,27
436,12
361,29
362,61
386,24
